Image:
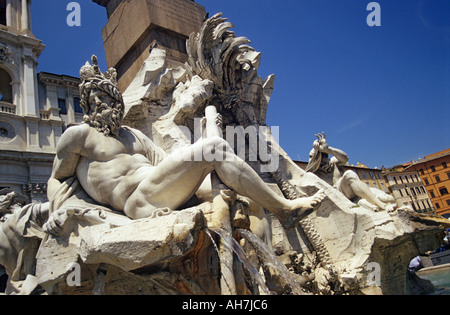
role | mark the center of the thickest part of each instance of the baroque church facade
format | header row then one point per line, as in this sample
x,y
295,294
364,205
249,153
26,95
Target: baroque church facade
x,y
35,108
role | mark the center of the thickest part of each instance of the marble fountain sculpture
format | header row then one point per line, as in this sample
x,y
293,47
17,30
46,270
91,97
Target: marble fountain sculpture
x,y
153,195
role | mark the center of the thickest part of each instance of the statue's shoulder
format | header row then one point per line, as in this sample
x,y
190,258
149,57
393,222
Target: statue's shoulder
x,y
137,133
74,136
80,129
133,130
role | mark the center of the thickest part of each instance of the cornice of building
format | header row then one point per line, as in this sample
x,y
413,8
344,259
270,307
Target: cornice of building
x,y
10,36
21,156
429,158
59,79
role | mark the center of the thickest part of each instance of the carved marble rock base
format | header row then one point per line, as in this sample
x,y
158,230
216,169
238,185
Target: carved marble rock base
x,y
142,242
136,245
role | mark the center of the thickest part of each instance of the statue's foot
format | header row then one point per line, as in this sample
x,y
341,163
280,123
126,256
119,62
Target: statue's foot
x,y
301,207
390,207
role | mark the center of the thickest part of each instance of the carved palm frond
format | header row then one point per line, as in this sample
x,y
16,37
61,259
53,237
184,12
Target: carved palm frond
x,y
214,53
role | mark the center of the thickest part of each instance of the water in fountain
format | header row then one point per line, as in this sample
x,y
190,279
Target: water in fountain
x,y
269,259
243,258
99,287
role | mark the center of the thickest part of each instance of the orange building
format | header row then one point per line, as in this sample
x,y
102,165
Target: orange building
x,y
434,170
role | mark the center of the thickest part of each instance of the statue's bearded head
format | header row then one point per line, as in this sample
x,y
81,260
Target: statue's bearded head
x,y
101,100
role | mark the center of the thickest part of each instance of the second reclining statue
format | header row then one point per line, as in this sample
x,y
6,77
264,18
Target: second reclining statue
x,y
347,182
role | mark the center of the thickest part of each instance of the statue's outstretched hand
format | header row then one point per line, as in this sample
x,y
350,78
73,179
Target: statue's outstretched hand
x,y
322,142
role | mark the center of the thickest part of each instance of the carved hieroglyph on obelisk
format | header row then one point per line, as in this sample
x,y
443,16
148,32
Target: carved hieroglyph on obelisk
x,y
168,23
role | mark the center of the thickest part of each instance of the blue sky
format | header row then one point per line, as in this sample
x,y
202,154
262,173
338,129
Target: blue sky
x,y
382,94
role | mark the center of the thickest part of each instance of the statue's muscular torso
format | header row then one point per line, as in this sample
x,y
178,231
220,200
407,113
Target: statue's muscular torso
x,y
108,168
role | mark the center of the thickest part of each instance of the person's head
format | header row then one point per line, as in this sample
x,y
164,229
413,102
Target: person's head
x,y
318,161
101,100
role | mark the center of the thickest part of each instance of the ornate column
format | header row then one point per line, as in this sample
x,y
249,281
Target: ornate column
x,y
24,16
30,24
29,107
16,94
70,107
51,104
9,13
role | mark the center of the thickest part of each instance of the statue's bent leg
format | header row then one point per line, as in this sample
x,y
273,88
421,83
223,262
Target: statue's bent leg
x,y
239,176
170,184
351,185
175,180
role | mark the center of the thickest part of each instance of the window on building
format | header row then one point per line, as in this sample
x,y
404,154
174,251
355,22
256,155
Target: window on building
x,y
395,180
3,12
372,175
421,171
77,106
432,195
444,164
401,193
443,191
437,205
418,190
412,191
378,175
433,169
423,204
364,174
448,202
3,132
418,206
448,175
5,87
62,106
423,189
417,178
426,181
437,178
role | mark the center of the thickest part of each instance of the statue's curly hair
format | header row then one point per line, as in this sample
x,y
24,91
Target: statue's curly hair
x,y
98,83
93,79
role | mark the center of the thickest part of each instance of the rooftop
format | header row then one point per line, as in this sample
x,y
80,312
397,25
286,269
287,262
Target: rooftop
x,y
431,157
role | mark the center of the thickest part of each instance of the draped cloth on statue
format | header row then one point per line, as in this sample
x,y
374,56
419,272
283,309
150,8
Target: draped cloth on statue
x,y
72,197
23,244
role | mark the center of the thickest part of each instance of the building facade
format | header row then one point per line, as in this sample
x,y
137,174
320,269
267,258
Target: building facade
x,y
34,108
373,177
408,189
434,171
